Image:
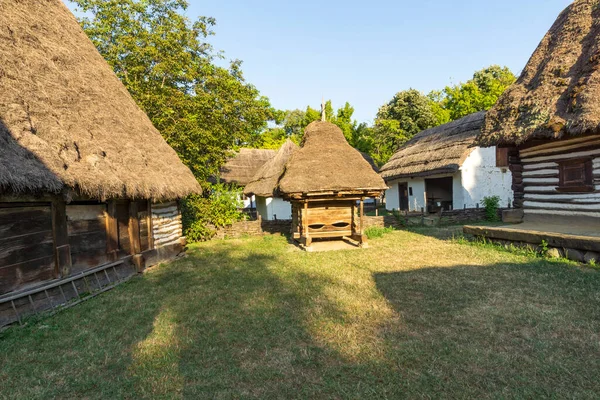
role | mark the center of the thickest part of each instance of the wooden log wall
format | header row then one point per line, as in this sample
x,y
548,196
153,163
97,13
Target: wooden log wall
x,y
166,224
516,169
27,254
540,178
86,225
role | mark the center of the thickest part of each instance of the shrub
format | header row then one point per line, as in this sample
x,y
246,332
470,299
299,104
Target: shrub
x,y
218,206
491,205
373,232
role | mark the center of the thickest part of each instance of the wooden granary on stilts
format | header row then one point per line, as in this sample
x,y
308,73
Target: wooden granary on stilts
x,y
88,187
327,181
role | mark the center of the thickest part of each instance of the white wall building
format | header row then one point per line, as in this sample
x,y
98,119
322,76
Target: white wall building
x,y
438,169
273,208
263,186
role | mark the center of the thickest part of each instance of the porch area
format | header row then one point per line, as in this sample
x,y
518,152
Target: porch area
x,y
576,238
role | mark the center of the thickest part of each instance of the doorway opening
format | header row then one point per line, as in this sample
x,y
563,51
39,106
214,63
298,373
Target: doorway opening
x,y
439,194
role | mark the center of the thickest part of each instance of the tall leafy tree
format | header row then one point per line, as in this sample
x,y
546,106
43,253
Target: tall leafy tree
x,y
166,63
405,115
478,94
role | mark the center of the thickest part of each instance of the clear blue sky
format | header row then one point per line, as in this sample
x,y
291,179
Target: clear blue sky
x,y
365,51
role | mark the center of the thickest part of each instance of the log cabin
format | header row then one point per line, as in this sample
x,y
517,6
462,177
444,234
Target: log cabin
x,y
441,169
549,122
269,204
327,181
88,187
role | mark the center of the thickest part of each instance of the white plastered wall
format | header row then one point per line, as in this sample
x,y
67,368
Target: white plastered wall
x,y
272,207
249,202
415,202
480,177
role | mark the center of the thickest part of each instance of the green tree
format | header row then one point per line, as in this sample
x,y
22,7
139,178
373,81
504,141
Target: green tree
x,y
478,94
164,60
406,114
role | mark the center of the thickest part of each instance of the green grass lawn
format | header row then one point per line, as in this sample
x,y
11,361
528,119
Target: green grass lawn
x,y
412,316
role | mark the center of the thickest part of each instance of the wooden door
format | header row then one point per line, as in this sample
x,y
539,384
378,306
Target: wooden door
x,y
403,196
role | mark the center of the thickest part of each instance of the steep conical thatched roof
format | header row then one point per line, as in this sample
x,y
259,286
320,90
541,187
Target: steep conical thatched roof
x,y
559,90
439,150
241,167
66,119
326,162
265,181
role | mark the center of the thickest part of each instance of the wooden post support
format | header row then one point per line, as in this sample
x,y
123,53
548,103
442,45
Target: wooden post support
x,y
362,214
150,227
112,231
62,250
304,224
134,229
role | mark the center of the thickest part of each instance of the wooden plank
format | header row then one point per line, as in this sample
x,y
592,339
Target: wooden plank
x,y
150,226
565,156
112,230
92,241
560,148
61,236
123,223
134,229
86,226
13,277
25,220
362,213
84,212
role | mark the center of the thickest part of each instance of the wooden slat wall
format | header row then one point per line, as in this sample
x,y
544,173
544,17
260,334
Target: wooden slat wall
x,y
87,235
540,178
123,224
327,214
143,218
166,224
26,247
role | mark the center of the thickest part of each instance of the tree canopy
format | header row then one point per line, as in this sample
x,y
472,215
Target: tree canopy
x,y
410,111
166,63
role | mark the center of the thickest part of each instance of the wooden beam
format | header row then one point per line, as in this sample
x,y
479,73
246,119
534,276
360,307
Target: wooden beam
x,y
150,227
134,229
62,250
362,212
112,231
305,222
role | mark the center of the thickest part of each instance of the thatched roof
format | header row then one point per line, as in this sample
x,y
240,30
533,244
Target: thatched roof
x,y
370,160
241,167
557,93
265,181
439,150
326,162
67,120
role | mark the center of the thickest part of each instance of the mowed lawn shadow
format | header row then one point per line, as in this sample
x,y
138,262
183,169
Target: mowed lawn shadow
x,y
506,330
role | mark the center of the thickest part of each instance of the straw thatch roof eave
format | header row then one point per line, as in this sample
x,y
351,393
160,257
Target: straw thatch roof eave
x,y
435,151
326,162
557,94
68,120
244,164
264,183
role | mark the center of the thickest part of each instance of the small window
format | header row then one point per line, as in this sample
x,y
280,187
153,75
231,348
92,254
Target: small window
x,y
410,191
575,176
502,157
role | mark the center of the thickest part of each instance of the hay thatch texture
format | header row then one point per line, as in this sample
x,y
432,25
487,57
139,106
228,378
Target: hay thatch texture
x,y
265,181
326,162
370,160
439,150
557,93
242,167
67,120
